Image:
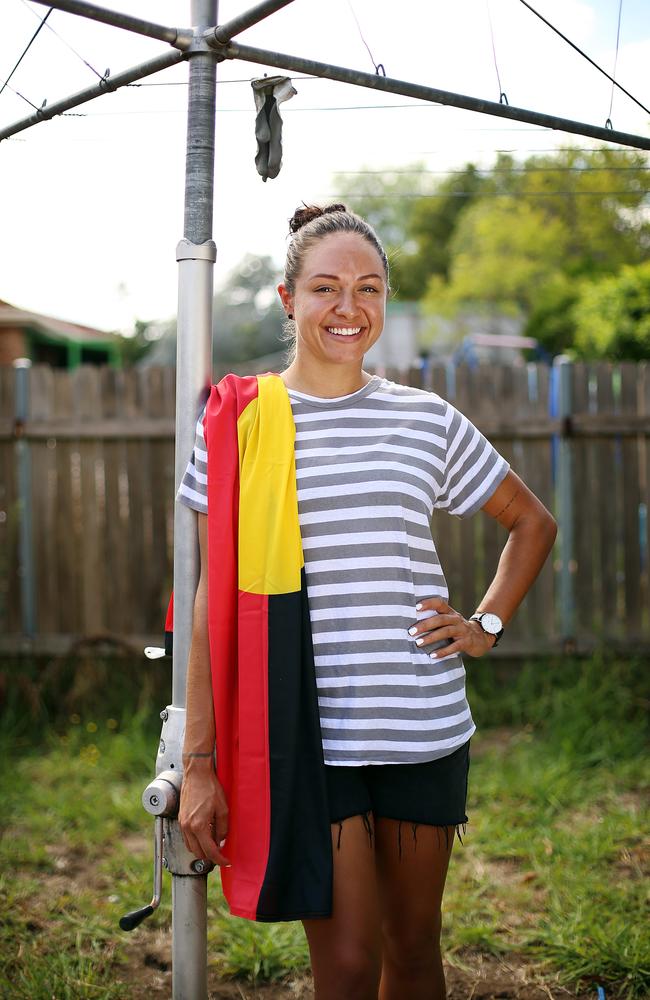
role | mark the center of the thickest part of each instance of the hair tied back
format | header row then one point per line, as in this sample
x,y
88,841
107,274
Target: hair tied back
x,y
307,214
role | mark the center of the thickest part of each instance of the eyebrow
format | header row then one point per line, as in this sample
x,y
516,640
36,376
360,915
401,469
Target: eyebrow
x,y
336,277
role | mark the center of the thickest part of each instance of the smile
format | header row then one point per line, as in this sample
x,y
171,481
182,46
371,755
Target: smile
x,y
344,331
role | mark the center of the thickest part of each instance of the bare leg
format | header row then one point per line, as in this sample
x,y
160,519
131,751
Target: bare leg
x,y
412,862
345,948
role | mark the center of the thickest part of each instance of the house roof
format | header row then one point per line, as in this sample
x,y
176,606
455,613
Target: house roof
x,y
58,329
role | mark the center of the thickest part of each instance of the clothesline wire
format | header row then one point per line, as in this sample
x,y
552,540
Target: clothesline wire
x,y
66,43
584,55
22,96
618,37
502,95
377,66
26,50
220,83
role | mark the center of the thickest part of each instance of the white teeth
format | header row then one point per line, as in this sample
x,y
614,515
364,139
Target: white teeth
x,y
344,331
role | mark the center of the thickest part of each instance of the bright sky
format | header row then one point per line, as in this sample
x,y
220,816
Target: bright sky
x,y
91,207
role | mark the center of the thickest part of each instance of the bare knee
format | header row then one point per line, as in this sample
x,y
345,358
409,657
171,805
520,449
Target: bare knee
x,y
353,974
412,948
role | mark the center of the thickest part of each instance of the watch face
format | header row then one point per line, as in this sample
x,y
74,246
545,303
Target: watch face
x,y
491,623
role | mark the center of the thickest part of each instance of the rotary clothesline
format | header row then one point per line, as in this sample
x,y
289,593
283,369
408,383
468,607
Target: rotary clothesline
x,y
218,39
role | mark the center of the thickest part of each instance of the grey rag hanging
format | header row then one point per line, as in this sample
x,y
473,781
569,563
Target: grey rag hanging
x,y
270,92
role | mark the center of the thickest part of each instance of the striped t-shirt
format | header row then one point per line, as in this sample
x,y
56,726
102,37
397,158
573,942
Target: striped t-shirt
x,y
370,468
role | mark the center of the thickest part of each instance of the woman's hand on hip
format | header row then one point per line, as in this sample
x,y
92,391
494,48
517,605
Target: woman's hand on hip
x,y
203,814
462,636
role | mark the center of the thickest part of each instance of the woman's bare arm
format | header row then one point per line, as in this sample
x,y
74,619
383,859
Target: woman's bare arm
x,y
203,814
199,723
531,533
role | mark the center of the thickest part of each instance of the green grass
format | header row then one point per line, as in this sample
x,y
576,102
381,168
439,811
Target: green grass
x,y
551,871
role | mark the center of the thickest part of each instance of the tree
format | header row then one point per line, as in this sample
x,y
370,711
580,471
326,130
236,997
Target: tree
x,y
247,318
135,348
414,216
601,197
431,227
501,254
551,319
535,232
612,316
385,198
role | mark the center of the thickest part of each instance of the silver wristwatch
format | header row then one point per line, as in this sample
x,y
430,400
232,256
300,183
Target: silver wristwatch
x,y
490,623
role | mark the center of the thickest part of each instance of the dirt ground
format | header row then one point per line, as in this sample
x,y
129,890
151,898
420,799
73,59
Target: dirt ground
x,y
481,978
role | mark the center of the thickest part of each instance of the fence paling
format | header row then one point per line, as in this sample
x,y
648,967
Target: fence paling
x,y
102,452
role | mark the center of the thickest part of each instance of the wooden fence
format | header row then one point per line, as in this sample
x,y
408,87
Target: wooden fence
x,y
98,447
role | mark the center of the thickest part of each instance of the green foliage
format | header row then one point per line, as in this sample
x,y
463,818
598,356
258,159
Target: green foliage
x,y
432,224
550,320
137,346
261,952
501,254
414,216
385,198
520,239
612,316
601,200
594,709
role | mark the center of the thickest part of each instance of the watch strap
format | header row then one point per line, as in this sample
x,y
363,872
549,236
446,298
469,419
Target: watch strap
x,y
477,618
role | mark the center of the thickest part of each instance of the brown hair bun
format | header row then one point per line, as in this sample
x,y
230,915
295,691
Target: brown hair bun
x,y
308,213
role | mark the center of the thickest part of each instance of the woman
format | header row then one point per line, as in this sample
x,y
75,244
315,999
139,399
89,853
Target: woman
x,y
373,459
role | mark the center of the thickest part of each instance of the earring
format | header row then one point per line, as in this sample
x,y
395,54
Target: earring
x,y
289,315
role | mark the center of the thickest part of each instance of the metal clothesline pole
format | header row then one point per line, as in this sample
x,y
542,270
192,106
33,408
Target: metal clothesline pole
x,y
196,254
386,84
106,85
224,32
119,20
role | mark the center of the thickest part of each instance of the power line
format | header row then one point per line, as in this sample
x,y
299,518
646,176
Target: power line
x,y
529,149
26,50
584,55
489,194
487,171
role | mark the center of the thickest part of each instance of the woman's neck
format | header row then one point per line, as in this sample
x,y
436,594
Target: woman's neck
x,y
323,382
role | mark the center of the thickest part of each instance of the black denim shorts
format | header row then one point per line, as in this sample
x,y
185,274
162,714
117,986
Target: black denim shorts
x,y
434,792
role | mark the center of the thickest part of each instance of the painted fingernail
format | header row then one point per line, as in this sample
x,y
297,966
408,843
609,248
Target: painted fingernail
x,y
418,607
418,642
413,630
222,842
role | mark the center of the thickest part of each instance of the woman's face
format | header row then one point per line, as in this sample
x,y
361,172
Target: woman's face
x,y
339,301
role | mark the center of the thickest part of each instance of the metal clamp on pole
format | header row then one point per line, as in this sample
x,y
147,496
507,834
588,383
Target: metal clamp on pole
x,y
161,798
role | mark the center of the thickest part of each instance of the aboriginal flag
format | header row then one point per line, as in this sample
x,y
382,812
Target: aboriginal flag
x,y
269,749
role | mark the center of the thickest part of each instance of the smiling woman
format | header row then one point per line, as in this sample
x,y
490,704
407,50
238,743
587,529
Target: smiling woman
x,y
334,290
346,713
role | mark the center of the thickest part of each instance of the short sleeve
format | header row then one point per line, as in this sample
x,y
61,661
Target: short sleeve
x,y
193,491
473,467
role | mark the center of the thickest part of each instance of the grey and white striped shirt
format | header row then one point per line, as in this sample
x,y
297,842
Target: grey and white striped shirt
x,y
370,468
